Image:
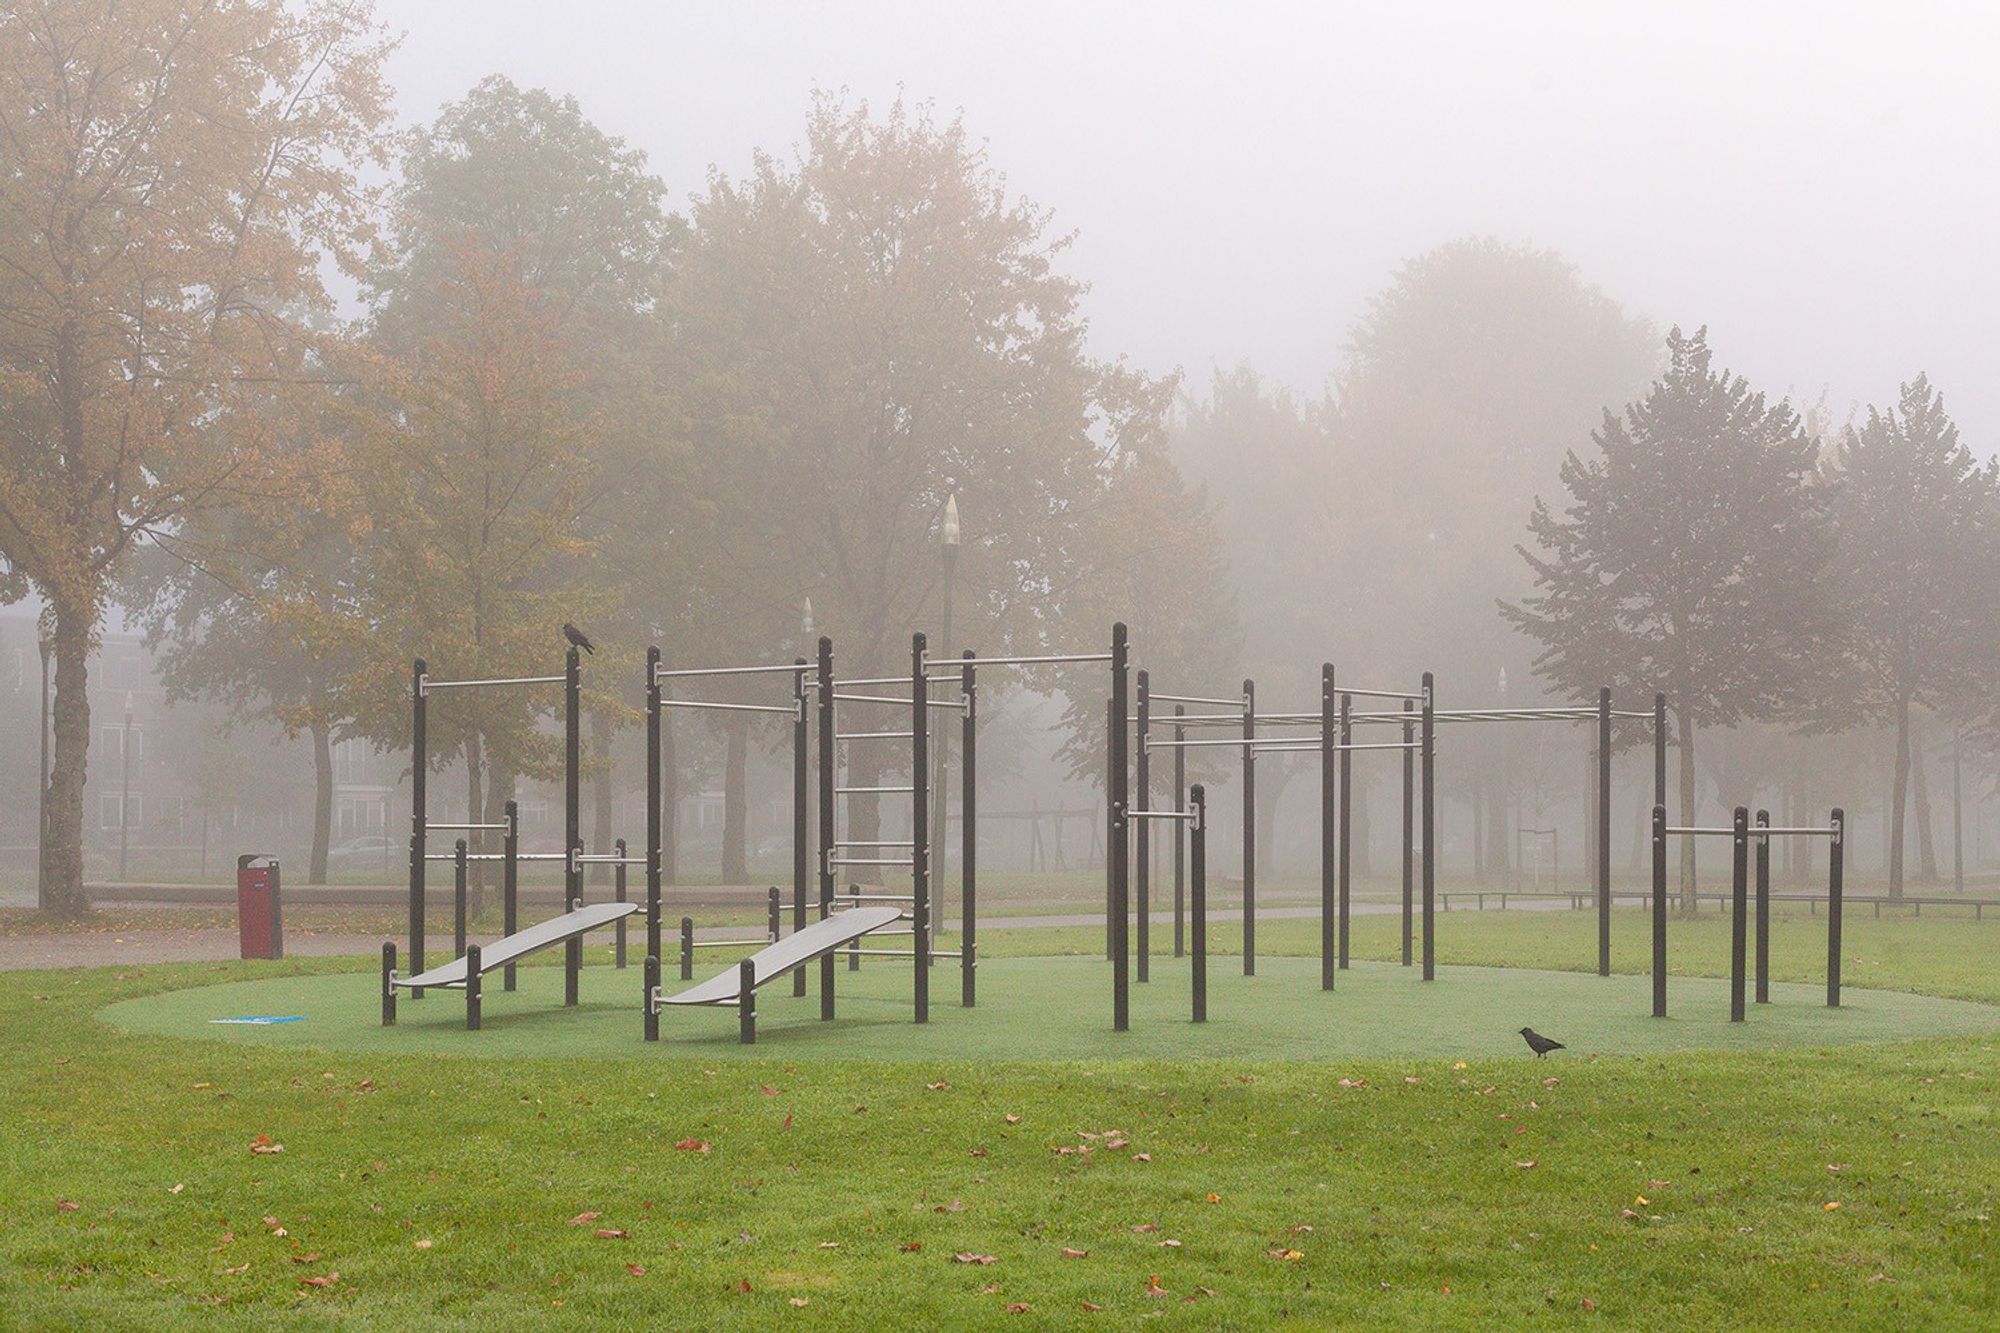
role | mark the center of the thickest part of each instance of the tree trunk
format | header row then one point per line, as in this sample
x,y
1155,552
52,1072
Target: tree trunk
x,y
1927,863
74,630
600,794
1899,790
1685,729
735,864
322,743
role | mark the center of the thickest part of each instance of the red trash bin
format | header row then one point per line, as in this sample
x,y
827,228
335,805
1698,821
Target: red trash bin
x,y
260,921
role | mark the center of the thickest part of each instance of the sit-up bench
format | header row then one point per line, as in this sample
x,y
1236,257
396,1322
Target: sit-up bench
x,y
465,973
738,986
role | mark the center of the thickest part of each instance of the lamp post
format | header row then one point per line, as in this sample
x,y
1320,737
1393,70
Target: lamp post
x,y
42,809
948,552
125,793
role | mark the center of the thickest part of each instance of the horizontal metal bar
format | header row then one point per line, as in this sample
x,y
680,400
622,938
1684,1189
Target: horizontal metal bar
x,y
682,673
1377,694
1807,831
873,735
502,825
1193,699
731,944
874,898
610,860
1691,831
430,684
871,861
882,953
1159,814
1047,659
541,856
470,856
730,708
1236,742
900,703
843,683
1198,719
854,791
896,842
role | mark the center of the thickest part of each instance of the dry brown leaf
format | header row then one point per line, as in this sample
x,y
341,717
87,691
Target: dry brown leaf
x,y
955,1206
1068,1253
1018,1307
970,1258
1529,1165
691,1145
910,1247
67,1205
582,1218
263,1147
1092,1307
424,1244
767,1090
1170,1244
1146,1228
636,1270
239,1270
1012,1119
177,1189
1589,1304
1142,1157
1289,1256
323,1281
612,1233
1215,1198
1153,1287
939,1086
800,1302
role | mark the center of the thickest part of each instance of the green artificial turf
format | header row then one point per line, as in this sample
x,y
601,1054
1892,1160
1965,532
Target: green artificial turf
x,y
1445,1181
1035,1009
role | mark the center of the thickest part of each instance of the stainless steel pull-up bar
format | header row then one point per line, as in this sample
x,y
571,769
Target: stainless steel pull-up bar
x,y
1160,814
873,735
501,826
729,708
1048,659
429,684
1377,694
1196,699
794,669
900,703
871,791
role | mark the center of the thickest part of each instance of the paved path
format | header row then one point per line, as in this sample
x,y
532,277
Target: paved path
x,y
205,944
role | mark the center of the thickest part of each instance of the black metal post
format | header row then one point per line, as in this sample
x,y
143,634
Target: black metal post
x,y
920,819
1659,910
854,949
1198,892
1116,842
746,1002
572,816
801,837
687,948
774,918
458,876
510,881
1428,757
1739,907
1142,834
1659,749
655,813
419,817
388,983
618,895
1329,851
1835,856
1249,829
472,984
1180,835
968,833
1346,817
1110,821
651,1006
823,680
1604,831
1764,910
1409,829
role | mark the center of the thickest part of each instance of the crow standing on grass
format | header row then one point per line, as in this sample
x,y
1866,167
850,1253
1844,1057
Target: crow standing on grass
x,y
1539,1044
579,638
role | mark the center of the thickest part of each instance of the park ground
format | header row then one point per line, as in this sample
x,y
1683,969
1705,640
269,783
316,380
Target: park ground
x,y
1390,1154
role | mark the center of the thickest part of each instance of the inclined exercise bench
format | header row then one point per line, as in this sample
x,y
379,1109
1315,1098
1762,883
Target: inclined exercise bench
x,y
738,986
467,972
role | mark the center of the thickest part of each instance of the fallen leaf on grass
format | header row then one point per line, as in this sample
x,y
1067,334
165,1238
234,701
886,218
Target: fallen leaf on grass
x,y
1068,1253
1018,1307
970,1258
767,1090
582,1218
263,1147
1170,1244
238,1271
955,1206
1289,1256
1305,1227
1092,1306
910,1247
636,1270
424,1244
1113,1145
691,1145
939,1086
981,1152
1142,1157
829,1245
1529,1165
1551,1082
1012,1119
1411,1078
743,1286
1829,1205
177,1189
1588,1303
800,1302
312,1258
67,1205
1153,1287
1640,1200
322,1281
1146,1228
612,1233
1215,1198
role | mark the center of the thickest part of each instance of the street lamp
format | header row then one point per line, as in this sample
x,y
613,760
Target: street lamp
x,y
948,552
42,837
125,794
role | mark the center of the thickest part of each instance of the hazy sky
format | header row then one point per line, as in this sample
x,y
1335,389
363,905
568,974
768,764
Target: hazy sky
x,y
1815,181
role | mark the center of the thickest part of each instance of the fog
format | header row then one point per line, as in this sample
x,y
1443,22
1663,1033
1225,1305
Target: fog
x,y
1812,181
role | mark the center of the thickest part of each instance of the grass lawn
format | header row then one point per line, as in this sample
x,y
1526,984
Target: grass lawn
x,y
1407,1167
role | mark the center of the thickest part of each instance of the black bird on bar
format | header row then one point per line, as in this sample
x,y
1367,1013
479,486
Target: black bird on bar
x,y
579,638
1539,1044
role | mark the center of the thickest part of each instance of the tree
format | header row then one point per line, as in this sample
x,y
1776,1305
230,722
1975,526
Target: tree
x,y
1918,577
1689,558
175,175
861,332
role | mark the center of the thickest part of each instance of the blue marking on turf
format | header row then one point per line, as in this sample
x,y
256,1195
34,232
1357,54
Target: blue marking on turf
x,y
261,1019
